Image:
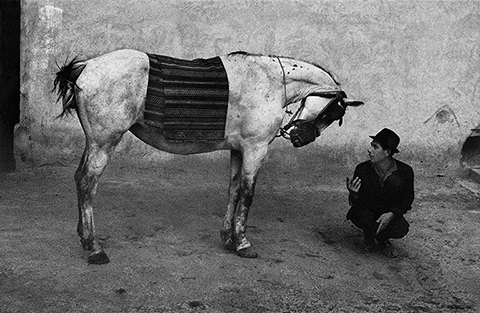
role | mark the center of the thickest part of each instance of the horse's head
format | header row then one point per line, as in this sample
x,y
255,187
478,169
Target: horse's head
x,y
317,112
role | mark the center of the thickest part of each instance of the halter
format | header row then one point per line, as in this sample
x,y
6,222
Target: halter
x,y
334,110
305,131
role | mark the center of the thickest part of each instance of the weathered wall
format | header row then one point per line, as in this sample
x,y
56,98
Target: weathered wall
x,y
414,63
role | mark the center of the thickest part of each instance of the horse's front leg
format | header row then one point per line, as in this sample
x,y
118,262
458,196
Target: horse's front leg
x,y
252,160
87,175
227,232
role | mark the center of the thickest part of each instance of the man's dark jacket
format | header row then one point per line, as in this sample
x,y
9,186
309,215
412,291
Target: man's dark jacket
x,y
395,194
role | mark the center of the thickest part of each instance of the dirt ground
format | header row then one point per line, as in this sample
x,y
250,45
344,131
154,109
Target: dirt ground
x,y
160,228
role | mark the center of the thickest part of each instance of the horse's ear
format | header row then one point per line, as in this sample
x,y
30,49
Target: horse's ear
x,y
353,103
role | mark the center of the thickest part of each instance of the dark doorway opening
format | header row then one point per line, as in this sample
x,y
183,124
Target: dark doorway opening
x,y
471,149
9,80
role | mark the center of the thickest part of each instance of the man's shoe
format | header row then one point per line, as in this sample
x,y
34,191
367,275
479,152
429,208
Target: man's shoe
x,y
369,244
387,249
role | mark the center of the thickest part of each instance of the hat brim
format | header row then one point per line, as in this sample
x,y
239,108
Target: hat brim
x,y
393,150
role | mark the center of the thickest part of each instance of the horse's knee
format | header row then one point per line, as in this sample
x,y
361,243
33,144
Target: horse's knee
x,y
81,178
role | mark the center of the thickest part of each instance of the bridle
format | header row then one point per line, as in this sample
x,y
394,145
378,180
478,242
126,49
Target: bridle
x,y
305,131
334,110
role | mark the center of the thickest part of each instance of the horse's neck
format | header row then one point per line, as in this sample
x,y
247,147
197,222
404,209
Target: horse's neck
x,y
302,79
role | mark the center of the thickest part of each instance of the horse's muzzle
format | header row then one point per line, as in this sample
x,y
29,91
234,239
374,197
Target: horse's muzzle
x,y
304,134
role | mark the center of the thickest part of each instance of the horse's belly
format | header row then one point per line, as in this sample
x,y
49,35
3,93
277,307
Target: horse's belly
x,y
153,137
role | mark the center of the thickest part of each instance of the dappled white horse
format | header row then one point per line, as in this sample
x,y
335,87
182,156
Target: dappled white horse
x,y
109,94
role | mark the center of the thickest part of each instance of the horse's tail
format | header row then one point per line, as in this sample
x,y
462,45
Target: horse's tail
x,y
65,83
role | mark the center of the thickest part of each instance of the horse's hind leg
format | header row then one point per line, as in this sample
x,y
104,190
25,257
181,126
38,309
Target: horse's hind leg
x,y
227,232
91,166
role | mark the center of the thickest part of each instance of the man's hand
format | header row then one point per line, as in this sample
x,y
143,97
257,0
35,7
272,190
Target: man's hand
x,y
384,220
353,185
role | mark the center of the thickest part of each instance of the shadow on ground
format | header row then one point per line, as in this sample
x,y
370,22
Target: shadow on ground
x,y
160,228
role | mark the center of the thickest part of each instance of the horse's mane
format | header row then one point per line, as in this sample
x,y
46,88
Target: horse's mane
x,y
243,53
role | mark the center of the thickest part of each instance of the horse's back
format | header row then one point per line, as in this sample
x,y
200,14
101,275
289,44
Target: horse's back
x,y
113,89
119,64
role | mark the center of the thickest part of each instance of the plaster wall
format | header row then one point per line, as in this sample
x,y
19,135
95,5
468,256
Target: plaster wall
x,y
414,63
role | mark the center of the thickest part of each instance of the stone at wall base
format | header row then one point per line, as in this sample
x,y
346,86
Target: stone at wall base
x,y
22,144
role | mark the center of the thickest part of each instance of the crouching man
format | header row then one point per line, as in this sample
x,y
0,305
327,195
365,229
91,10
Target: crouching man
x,y
380,193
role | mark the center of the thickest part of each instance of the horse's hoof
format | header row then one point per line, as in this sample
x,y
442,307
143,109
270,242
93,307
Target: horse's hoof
x,y
247,253
99,257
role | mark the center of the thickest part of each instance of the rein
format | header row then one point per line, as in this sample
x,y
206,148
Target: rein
x,y
283,130
284,83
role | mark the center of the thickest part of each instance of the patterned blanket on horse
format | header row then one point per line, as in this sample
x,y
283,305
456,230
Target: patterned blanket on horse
x,y
187,100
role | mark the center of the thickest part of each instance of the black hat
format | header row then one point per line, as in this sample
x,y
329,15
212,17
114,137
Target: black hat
x,y
387,139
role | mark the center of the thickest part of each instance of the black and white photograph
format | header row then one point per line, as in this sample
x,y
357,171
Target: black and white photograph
x,y
239,156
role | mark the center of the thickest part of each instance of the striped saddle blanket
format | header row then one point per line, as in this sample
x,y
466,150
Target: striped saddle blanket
x,y
187,100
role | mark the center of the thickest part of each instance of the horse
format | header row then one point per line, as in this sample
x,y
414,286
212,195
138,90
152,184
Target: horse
x,y
109,95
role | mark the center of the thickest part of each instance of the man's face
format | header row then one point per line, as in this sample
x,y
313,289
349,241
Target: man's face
x,y
376,152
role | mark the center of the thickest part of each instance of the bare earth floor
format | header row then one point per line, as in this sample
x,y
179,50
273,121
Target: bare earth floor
x,y
160,228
